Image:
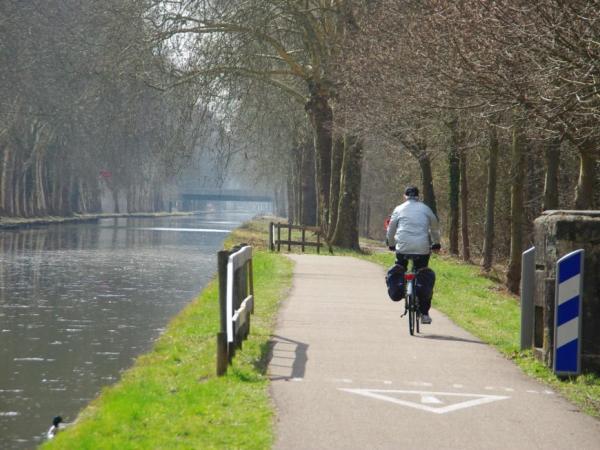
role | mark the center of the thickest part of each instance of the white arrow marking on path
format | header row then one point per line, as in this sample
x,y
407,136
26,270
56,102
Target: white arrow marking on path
x,y
381,394
432,400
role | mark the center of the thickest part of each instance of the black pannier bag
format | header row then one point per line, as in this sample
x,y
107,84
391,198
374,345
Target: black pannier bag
x,y
425,283
395,282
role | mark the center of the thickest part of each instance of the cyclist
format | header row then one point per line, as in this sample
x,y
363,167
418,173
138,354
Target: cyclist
x,y
414,229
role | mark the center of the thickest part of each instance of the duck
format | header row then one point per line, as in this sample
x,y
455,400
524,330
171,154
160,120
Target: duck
x,y
54,428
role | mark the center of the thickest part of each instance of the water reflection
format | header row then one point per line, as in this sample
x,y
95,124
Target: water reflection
x,y
79,302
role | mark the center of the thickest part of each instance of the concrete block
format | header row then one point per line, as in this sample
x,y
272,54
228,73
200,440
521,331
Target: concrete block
x,y
557,233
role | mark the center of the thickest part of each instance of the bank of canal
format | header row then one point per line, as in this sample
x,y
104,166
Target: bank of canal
x,y
78,302
171,398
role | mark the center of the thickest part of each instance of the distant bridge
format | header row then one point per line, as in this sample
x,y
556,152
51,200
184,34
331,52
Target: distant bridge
x,y
225,195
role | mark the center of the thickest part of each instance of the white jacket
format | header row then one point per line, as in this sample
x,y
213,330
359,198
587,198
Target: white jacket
x,y
414,228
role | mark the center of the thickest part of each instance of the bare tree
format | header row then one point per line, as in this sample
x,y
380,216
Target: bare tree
x,y
287,45
74,104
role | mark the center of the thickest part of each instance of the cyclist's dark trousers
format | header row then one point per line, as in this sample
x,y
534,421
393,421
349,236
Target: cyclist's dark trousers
x,y
419,262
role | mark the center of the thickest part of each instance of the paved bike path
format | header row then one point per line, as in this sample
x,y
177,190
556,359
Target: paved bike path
x,y
346,375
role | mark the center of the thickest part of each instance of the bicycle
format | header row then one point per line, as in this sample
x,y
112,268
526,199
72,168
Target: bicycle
x,y
411,302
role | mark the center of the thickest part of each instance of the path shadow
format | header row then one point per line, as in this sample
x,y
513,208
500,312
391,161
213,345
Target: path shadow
x,y
287,358
440,337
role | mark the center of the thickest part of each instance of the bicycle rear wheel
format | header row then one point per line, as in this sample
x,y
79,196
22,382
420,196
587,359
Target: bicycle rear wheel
x,y
417,315
412,314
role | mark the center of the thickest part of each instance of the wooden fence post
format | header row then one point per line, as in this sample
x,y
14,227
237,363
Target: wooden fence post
x,y
271,246
236,302
278,237
242,278
303,238
233,346
251,282
222,344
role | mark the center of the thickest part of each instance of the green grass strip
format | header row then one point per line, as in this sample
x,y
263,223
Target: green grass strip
x,y
483,308
171,397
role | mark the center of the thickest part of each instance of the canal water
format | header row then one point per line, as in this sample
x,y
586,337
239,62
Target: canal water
x,y
78,302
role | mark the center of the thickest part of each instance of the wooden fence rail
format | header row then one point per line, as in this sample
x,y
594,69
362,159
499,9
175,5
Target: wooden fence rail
x,y
236,301
275,241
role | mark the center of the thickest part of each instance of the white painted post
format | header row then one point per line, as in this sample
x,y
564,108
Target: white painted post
x,y
235,261
527,292
567,314
230,299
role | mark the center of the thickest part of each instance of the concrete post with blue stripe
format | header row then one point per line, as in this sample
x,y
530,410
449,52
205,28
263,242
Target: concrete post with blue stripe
x,y
567,314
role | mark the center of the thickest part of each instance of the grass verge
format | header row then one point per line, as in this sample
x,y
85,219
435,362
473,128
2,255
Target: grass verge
x,y
482,307
171,397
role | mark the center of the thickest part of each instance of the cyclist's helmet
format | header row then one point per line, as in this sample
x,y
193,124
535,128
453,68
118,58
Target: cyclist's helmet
x,y
411,191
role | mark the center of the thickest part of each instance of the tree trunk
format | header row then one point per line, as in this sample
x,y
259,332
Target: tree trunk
x,y
157,198
552,159
309,191
41,204
115,195
584,197
74,195
98,198
128,200
490,200
321,116
133,200
464,207
454,189
295,184
16,184
346,233
63,193
365,204
24,191
337,156
513,276
281,201
83,197
55,192
6,184
13,186
427,180
291,194
365,216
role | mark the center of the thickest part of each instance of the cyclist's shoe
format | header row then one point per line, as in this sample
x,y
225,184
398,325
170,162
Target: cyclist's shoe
x,y
425,319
